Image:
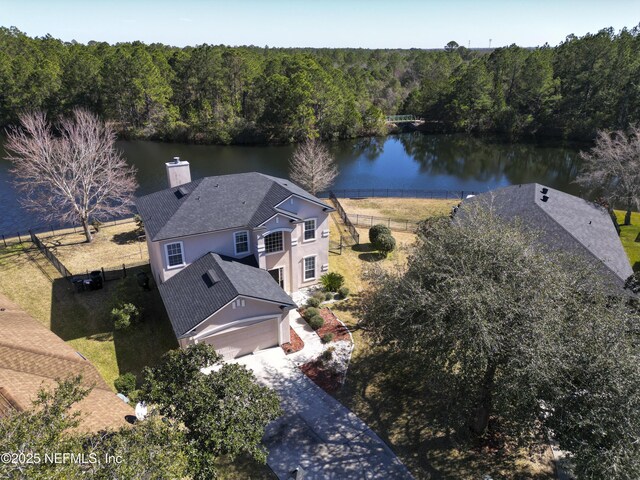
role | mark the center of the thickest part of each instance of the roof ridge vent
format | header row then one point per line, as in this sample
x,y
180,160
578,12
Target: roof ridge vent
x,y
545,198
181,192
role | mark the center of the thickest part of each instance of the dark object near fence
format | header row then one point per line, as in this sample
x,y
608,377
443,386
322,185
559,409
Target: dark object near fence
x,y
143,280
52,258
352,230
96,278
87,283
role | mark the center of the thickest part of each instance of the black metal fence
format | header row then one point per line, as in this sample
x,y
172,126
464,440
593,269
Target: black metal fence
x,y
117,273
368,221
52,258
352,229
20,236
336,247
397,193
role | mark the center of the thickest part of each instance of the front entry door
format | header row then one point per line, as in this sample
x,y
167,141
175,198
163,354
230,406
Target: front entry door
x,y
278,276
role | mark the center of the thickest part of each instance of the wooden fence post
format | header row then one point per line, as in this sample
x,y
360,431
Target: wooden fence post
x,y
19,237
104,277
4,241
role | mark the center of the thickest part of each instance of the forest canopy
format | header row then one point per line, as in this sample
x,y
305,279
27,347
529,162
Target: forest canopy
x,y
219,94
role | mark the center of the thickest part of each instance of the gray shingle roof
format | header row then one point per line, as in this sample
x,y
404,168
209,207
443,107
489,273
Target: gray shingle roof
x,y
211,282
565,221
216,203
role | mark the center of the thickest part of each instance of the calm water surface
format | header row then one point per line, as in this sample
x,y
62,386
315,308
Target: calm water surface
x,y
412,161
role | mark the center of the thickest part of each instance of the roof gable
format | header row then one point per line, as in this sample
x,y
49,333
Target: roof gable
x,y
211,282
215,203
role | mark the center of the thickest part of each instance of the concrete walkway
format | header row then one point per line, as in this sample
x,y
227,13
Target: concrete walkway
x,y
316,432
313,346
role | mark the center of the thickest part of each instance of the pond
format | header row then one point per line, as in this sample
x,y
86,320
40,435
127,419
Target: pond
x,y
454,162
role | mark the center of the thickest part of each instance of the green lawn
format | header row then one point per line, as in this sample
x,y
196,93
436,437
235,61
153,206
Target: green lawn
x,y
630,237
83,319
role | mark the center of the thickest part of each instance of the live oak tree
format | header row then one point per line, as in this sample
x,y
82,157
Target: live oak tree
x,y
312,166
152,448
70,172
225,412
612,167
508,334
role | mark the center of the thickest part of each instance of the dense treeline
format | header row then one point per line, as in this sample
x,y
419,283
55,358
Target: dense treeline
x,y
250,94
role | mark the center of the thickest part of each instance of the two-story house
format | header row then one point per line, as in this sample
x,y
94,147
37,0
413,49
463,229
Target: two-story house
x,y
226,251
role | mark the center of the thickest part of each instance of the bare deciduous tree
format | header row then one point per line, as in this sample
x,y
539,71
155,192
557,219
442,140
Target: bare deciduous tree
x,y
612,167
70,172
312,167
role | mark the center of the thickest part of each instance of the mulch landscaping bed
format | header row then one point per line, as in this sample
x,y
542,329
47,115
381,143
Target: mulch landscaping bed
x,y
328,380
332,325
295,345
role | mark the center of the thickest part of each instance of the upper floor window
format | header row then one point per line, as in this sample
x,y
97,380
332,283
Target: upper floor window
x,y
309,268
175,256
310,229
241,242
273,242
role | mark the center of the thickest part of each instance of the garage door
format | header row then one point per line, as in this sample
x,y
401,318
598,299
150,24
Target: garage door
x,y
245,340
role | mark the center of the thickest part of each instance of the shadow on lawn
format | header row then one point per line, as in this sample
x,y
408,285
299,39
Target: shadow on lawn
x,y
369,253
125,238
88,315
392,397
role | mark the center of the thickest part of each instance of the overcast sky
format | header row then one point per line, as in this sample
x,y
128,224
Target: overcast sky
x,y
326,23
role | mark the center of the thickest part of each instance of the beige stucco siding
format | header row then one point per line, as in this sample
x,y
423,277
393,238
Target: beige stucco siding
x,y
240,313
194,247
291,259
296,249
236,342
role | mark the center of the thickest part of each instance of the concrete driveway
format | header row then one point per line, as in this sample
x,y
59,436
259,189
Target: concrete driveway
x,y
317,432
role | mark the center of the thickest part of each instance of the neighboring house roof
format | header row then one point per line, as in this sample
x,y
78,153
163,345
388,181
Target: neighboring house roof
x,y
211,282
33,357
216,203
565,221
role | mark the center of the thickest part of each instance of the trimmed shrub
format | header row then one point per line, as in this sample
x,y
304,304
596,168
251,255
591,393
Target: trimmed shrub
x,y
125,383
327,354
310,312
385,244
313,302
376,231
327,337
343,292
332,281
328,296
316,322
124,316
319,294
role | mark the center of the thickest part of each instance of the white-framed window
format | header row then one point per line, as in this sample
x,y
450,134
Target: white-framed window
x,y
274,242
241,242
309,229
309,265
175,254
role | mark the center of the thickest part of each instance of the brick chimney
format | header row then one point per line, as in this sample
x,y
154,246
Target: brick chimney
x,y
178,172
